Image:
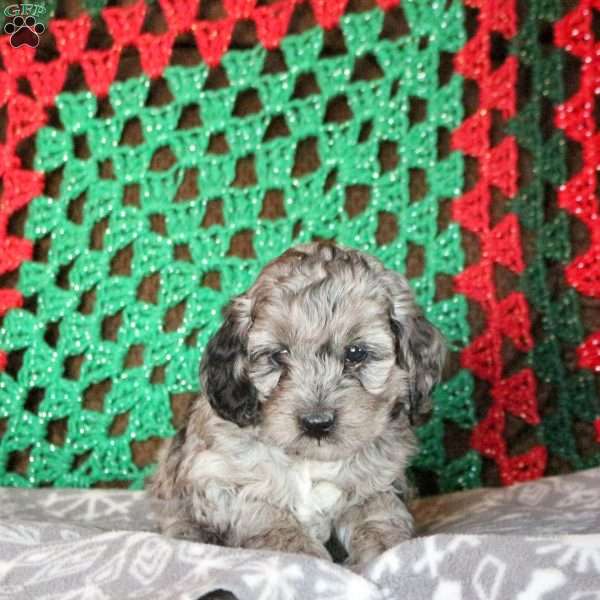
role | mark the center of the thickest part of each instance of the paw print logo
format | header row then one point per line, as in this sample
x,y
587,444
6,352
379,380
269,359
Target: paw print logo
x,y
24,31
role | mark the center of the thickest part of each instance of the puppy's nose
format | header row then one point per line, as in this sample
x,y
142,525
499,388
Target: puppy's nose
x,y
318,424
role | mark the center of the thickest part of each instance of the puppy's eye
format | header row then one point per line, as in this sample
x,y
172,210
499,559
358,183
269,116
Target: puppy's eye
x,y
355,354
279,356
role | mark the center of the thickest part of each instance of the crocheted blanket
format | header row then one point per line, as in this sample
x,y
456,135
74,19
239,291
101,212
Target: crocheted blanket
x,y
155,155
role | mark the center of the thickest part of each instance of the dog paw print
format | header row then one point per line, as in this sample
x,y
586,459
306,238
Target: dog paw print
x,y
24,32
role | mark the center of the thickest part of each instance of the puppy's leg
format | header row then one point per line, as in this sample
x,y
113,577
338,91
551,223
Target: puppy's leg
x,y
369,529
192,531
261,526
176,520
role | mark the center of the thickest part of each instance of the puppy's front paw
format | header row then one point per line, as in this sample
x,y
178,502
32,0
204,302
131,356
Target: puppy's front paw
x,y
371,528
313,548
356,567
357,563
370,542
288,540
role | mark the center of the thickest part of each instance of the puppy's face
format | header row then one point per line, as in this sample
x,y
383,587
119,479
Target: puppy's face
x,y
323,353
324,363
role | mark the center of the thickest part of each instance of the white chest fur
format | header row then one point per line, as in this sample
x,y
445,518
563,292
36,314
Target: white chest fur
x,y
236,470
307,488
315,493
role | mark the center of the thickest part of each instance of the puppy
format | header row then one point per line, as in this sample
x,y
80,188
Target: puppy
x,y
303,429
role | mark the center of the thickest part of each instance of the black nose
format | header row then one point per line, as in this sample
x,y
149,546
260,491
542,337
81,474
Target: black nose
x,y
318,424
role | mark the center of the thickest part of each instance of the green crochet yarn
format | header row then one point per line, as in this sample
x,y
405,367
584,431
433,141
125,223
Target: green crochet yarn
x,y
452,401
576,399
82,284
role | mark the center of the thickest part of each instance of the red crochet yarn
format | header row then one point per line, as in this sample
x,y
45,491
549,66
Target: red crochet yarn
x,y
500,244
588,352
578,196
24,117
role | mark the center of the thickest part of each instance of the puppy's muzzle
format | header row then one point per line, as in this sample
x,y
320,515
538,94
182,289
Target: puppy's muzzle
x,y
318,425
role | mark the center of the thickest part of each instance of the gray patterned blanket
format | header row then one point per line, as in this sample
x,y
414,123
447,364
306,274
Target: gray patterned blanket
x,y
534,541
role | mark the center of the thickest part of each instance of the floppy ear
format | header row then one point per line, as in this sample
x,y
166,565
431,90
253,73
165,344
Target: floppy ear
x,y
420,347
224,371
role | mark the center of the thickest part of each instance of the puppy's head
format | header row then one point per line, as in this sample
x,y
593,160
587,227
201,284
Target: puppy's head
x,y
324,352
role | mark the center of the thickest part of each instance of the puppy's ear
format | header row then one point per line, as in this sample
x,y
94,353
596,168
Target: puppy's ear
x,y
224,371
420,347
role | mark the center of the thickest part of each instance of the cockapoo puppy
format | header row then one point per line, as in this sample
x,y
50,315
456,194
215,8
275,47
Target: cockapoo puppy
x,y
303,429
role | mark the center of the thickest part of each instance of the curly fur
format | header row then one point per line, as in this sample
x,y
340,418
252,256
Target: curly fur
x,y
242,472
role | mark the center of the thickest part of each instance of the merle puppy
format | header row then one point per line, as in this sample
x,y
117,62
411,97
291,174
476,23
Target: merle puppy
x,y
304,425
